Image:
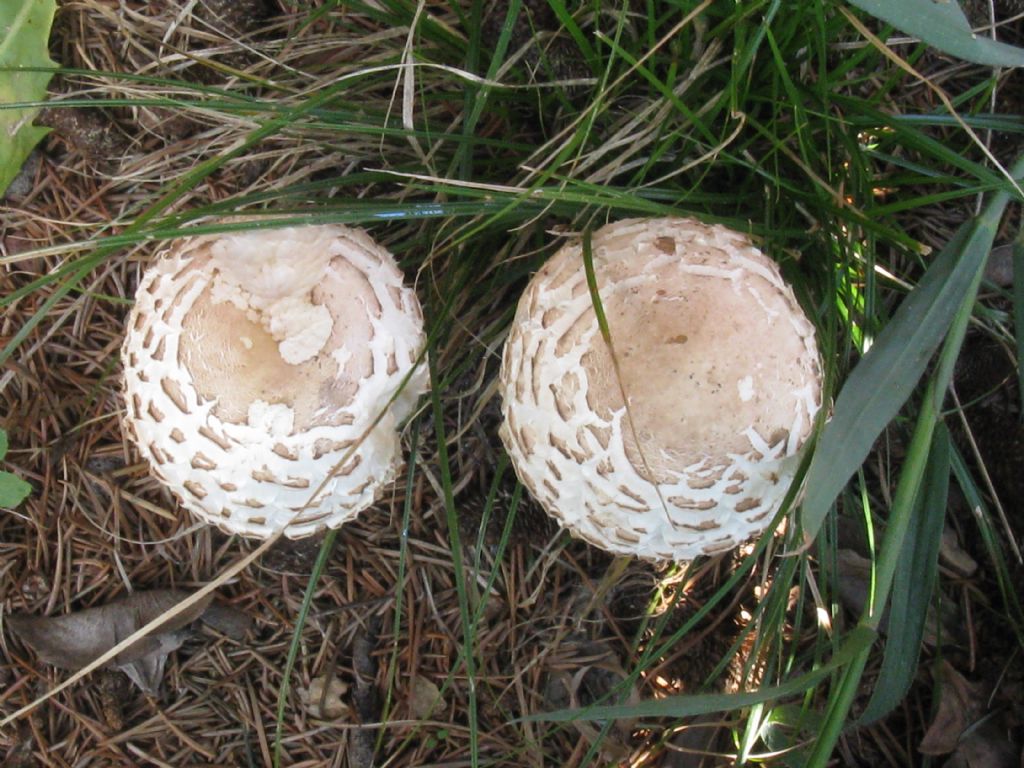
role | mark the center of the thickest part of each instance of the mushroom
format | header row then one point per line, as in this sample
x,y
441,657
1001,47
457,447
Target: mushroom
x,y
266,373
718,364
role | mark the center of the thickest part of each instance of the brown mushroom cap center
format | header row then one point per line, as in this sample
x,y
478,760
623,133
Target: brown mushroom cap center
x,y
702,360
234,360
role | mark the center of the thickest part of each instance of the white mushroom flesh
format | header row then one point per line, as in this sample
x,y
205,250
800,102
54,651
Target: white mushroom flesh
x,y
719,366
256,365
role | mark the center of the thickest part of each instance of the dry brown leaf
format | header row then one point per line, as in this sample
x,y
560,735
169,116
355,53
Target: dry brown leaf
x,y
695,743
323,698
593,683
960,703
985,746
953,555
73,640
227,620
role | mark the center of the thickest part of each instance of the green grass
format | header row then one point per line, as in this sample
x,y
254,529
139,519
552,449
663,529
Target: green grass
x,y
774,116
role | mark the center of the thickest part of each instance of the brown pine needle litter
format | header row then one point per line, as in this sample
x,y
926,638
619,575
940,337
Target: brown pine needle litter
x,y
176,111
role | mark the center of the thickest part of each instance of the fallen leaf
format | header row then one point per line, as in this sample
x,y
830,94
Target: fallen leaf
x,y
323,698
594,676
227,620
74,640
959,706
147,671
695,743
986,746
999,268
954,556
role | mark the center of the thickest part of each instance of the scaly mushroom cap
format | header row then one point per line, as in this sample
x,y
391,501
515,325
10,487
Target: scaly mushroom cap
x,y
722,375
256,362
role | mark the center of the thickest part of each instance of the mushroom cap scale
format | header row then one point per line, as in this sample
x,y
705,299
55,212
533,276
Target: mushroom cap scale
x,y
722,375
256,363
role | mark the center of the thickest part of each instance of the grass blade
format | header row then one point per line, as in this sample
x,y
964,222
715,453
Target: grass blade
x,y
883,380
400,580
914,585
326,547
465,614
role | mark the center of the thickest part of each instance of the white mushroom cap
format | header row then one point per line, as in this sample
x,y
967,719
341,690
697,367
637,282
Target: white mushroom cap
x,y
255,362
720,368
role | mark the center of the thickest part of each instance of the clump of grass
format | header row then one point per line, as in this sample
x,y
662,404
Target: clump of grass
x,y
471,139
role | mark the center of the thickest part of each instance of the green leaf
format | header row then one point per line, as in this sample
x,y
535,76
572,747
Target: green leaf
x,y
942,24
913,585
24,34
13,490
